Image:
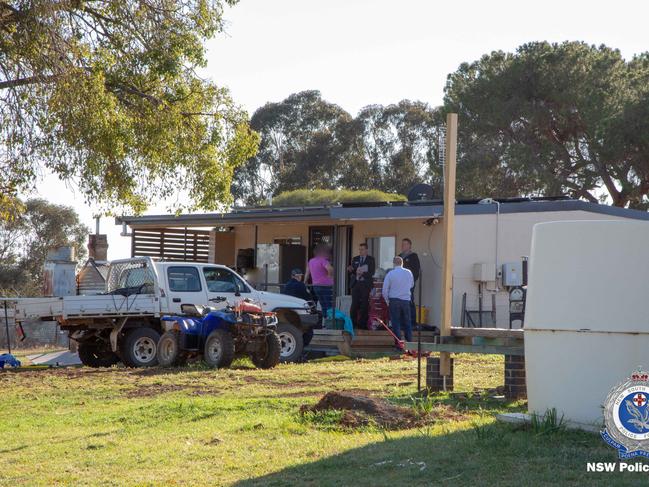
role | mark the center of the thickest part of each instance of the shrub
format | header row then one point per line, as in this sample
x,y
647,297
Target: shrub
x,y
311,197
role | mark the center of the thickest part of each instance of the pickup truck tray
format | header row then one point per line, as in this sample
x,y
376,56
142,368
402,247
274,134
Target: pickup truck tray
x,y
70,307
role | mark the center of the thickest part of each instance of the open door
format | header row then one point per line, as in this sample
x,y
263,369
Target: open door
x,y
344,257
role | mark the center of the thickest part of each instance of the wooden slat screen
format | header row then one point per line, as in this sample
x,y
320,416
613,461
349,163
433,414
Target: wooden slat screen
x,y
175,244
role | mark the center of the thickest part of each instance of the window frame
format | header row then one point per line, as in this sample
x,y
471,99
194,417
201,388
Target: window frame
x,y
241,286
193,269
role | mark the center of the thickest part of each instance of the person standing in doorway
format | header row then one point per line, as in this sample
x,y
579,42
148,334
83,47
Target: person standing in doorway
x,y
396,291
411,262
321,273
361,270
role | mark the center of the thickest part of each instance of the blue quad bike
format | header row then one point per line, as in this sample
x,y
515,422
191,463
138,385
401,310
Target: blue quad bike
x,y
220,336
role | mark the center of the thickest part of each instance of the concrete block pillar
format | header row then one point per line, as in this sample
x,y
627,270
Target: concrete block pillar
x,y
435,381
515,384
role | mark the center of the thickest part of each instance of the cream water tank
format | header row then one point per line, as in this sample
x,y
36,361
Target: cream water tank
x,y
587,314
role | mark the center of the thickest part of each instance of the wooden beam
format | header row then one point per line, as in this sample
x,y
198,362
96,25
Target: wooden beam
x,y
486,332
449,231
448,348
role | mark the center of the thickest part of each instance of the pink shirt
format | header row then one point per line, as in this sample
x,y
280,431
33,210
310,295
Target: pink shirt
x,y
318,270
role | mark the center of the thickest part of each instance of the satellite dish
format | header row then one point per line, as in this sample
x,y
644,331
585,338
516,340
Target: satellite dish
x,y
420,192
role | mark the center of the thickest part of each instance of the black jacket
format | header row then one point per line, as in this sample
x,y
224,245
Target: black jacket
x,y
411,262
297,288
367,276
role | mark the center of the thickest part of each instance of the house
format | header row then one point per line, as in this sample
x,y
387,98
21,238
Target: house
x,y
488,234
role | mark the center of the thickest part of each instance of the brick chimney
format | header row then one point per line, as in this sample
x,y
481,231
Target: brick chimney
x,y
98,247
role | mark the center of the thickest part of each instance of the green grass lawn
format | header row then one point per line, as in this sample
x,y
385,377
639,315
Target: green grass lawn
x,y
242,426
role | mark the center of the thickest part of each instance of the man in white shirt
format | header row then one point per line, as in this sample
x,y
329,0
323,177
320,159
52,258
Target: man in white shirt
x,y
396,291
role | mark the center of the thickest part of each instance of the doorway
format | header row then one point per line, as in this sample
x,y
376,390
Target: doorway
x,y
383,249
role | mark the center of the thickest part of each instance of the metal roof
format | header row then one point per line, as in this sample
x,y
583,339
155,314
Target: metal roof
x,y
375,211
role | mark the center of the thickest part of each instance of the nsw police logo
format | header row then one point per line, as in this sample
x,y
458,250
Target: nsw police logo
x,y
626,417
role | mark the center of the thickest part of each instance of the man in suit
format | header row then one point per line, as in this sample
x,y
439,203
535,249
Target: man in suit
x,y
411,262
361,270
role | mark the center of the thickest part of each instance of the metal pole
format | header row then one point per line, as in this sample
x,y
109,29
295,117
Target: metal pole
x,y
7,328
335,257
421,278
254,253
265,277
480,304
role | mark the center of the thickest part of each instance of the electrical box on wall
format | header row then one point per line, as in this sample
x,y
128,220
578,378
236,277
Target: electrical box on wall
x,y
483,272
513,274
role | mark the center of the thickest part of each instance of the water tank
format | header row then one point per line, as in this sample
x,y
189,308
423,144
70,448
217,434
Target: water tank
x,y
587,315
59,272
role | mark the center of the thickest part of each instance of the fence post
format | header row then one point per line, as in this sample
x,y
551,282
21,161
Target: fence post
x,y
7,328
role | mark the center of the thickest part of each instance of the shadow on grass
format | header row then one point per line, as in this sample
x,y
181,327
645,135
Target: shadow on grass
x,y
11,450
494,454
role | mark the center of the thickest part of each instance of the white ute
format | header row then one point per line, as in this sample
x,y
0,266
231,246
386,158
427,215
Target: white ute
x,y
123,324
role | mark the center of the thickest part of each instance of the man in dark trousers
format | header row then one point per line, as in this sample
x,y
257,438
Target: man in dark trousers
x,y
361,270
411,262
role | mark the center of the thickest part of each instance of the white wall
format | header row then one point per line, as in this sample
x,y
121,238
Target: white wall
x,y
475,241
475,237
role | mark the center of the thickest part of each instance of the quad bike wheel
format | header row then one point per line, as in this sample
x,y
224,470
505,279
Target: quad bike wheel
x,y
96,355
269,355
292,342
219,349
169,353
139,346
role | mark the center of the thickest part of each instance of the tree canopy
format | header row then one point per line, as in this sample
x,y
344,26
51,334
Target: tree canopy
x,y
105,93
547,120
310,143
554,119
26,239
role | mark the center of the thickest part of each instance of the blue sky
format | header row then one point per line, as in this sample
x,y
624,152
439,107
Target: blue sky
x,y
360,52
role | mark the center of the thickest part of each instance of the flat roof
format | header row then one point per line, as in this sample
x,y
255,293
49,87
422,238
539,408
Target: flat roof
x,y
375,211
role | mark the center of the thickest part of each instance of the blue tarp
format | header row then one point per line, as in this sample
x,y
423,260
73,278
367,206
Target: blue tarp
x,y
8,359
348,326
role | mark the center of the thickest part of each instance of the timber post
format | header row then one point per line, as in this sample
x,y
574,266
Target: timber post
x,y
449,230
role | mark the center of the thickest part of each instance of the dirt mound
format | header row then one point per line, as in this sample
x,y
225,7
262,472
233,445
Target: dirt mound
x,y
360,410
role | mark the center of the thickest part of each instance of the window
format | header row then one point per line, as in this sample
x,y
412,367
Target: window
x,y
221,280
137,277
184,279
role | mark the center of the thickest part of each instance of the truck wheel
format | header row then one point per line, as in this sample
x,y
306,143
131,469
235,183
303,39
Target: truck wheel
x,y
96,355
169,352
268,357
219,349
292,342
138,349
